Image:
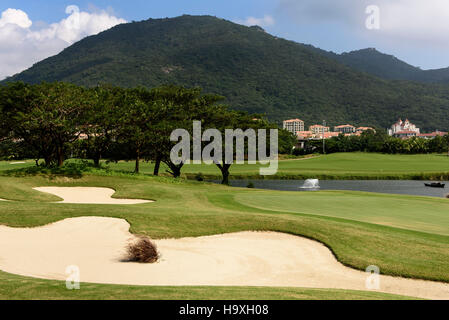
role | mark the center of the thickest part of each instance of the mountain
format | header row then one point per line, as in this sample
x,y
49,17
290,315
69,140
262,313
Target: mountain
x,y
254,70
387,66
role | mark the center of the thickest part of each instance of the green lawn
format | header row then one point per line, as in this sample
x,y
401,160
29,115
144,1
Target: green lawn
x,y
407,212
333,166
16,287
13,164
403,235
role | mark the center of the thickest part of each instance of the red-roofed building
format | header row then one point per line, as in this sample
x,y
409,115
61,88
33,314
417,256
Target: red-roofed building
x,y
328,135
432,135
347,128
304,135
363,129
319,129
403,128
294,125
405,134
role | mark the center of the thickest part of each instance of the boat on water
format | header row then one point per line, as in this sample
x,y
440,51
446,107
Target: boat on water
x,y
435,185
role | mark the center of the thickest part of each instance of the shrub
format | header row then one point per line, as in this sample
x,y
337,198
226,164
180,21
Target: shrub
x,y
250,185
199,177
143,251
447,196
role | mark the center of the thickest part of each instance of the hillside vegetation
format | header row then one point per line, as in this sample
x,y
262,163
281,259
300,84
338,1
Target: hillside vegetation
x,y
254,70
387,66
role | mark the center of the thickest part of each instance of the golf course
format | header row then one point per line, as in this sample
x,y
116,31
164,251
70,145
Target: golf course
x,y
342,166
407,237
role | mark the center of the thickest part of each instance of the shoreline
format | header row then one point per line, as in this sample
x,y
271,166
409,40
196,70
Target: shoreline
x,y
444,176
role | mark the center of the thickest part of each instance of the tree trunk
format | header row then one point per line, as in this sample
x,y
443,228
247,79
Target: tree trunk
x,y
60,160
224,172
60,157
175,169
97,159
137,169
157,166
47,160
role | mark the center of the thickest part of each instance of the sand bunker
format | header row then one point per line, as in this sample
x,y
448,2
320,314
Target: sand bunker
x,y
97,246
86,195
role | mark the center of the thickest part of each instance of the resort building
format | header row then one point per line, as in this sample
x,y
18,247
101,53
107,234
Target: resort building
x,y
405,134
304,135
319,129
403,129
327,135
347,128
363,129
294,125
432,135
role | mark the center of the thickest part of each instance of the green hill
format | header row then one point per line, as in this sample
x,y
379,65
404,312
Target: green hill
x,y
254,70
388,67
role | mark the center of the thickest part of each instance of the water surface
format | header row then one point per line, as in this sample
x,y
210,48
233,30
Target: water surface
x,y
410,187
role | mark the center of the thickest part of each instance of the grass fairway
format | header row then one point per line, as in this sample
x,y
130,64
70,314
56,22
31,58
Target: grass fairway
x,y
349,166
14,165
16,287
406,212
334,166
403,235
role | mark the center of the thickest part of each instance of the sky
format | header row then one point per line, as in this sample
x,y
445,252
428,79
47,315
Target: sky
x,y
415,31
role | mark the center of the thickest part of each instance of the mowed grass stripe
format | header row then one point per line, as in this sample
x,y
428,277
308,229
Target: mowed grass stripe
x,y
423,214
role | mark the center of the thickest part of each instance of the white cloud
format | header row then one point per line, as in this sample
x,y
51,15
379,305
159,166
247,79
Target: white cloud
x,y
412,21
266,21
21,46
15,17
415,20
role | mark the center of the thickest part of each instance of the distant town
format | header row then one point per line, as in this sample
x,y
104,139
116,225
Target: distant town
x,y
400,129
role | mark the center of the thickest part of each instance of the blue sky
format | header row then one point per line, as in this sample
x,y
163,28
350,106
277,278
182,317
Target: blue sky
x,y
415,31
54,10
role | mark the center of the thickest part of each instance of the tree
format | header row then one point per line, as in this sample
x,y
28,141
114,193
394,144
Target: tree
x,y
101,130
242,124
46,117
177,108
135,123
287,141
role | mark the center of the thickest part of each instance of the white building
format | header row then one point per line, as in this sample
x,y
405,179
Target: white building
x,y
294,125
347,128
319,129
403,127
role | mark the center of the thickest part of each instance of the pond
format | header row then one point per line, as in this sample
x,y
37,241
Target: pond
x,y
410,187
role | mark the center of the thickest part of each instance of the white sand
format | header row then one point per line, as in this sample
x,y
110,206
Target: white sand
x,y
87,195
97,245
